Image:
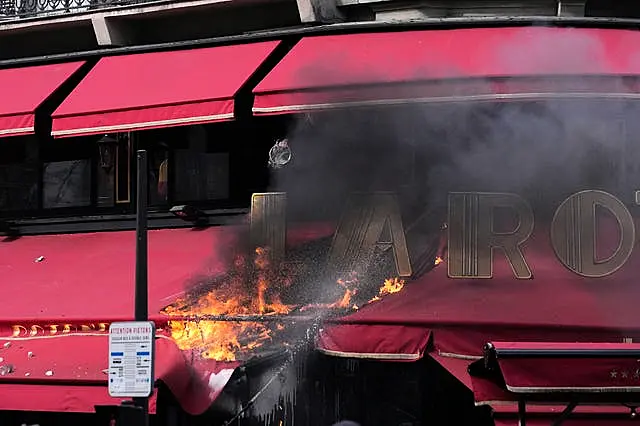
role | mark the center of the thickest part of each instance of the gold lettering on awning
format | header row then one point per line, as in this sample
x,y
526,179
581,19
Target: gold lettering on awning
x,y
360,230
268,222
573,233
472,238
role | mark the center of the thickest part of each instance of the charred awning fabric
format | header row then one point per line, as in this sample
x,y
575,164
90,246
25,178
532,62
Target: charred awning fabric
x,y
66,289
454,65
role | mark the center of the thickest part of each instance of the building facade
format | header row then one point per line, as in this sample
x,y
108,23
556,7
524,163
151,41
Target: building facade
x,y
394,98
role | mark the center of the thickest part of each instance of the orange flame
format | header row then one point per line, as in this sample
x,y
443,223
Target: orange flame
x,y
350,285
223,340
226,340
438,261
390,286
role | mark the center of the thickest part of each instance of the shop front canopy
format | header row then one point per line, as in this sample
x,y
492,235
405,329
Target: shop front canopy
x,y
24,90
571,374
453,65
63,291
160,89
551,336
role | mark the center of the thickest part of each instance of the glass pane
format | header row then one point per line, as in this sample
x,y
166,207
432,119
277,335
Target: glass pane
x,y
67,184
106,187
201,176
158,176
18,187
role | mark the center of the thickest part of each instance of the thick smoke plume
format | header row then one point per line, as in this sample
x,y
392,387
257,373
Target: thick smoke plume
x,y
541,149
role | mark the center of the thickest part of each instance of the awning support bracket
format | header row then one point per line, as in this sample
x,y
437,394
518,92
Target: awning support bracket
x,y
565,414
522,413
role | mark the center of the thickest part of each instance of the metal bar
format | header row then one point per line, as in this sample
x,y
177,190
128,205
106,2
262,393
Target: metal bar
x,y
141,293
339,28
522,412
141,284
244,318
565,414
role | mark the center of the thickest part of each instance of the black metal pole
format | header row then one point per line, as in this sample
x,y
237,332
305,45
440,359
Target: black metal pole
x,y
142,292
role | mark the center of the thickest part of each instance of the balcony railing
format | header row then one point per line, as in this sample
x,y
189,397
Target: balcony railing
x,y
16,9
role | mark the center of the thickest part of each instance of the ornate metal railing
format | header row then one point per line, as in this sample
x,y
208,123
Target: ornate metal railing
x,y
17,9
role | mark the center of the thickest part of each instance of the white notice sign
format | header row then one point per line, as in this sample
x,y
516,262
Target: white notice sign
x,y
131,359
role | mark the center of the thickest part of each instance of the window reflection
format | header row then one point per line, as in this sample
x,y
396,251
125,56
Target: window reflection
x,y
201,173
201,176
159,174
67,184
106,187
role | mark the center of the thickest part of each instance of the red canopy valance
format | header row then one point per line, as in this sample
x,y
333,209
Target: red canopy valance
x,y
452,65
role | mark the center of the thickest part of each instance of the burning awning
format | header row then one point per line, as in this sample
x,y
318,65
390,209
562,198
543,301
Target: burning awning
x,y
462,314
62,293
472,64
451,319
162,89
24,90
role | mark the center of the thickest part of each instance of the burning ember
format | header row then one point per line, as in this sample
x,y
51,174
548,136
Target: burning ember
x,y
244,311
221,340
390,286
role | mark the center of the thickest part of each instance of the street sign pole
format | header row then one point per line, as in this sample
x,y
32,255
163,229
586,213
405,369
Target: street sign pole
x,y
141,290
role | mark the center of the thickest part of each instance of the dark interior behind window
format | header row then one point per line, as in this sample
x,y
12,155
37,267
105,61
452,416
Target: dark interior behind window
x,y
18,174
67,173
216,165
209,166
66,183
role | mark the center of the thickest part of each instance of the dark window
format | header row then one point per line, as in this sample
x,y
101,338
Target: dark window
x,y
64,177
201,176
66,184
209,166
612,9
18,174
187,164
158,159
202,166
66,172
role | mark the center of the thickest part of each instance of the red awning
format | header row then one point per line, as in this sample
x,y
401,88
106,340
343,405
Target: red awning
x,y
325,72
505,403
25,89
461,315
161,89
58,398
64,290
382,342
70,371
543,368
556,372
